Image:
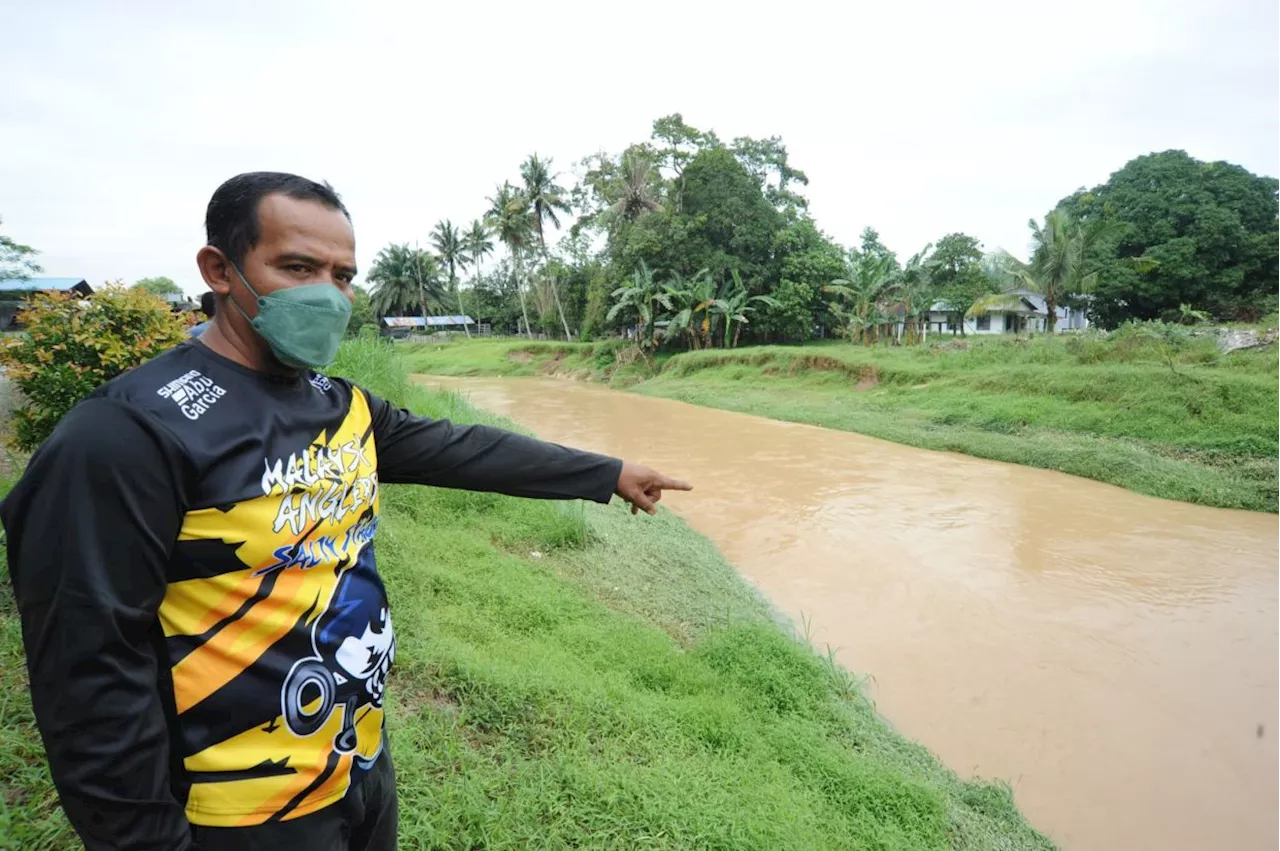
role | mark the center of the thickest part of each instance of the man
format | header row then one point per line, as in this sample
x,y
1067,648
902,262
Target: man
x,y
208,306
207,635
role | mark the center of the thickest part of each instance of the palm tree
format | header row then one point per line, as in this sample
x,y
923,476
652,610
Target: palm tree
x,y
867,276
634,198
478,245
447,240
643,295
402,278
545,199
736,304
1060,251
508,217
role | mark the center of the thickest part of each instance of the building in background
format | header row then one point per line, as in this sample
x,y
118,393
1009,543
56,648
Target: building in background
x,y
409,327
1026,312
180,302
15,291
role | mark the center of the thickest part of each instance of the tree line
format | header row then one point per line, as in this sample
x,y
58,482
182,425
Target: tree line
x,y
708,242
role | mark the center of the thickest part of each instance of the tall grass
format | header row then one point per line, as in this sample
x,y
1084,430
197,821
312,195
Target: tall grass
x,y
573,677
1169,417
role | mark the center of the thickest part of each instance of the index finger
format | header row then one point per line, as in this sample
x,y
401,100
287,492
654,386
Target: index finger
x,y
673,484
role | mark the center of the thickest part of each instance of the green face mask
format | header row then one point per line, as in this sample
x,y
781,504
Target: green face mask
x,y
303,325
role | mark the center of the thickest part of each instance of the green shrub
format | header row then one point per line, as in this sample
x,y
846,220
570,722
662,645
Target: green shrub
x,y
1151,342
605,357
72,345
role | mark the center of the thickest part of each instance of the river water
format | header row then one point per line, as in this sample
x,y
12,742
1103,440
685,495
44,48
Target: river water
x,y
1113,656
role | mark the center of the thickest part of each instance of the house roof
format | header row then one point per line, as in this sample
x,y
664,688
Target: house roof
x,y
1028,306
429,321
41,284
1034,299
1031,304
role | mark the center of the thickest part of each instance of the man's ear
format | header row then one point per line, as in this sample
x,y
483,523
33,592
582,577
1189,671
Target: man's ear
x,y
216,270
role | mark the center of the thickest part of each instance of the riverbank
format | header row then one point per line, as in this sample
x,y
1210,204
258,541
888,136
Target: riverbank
x,y
572,676
1188,425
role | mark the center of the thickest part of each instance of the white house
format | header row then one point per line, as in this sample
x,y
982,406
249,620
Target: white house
x,y
1026,312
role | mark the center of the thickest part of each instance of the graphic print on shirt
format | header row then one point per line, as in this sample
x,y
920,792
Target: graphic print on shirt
x,y
285,613
353,646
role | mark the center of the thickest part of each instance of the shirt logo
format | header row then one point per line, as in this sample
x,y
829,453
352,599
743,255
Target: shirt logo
x,y
193,393
321,382
325,483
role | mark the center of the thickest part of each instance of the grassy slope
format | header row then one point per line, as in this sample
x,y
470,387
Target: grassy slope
x,y
622,688
1206,433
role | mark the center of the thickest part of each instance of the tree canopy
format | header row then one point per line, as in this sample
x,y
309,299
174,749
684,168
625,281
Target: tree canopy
x,y
669,227
1207,232
960,277
16,259
158,286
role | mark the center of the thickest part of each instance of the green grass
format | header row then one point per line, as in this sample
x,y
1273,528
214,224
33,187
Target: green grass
x,y
571,676
1186,424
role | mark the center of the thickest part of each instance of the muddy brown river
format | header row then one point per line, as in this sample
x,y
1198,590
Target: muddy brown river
x,y
1113,656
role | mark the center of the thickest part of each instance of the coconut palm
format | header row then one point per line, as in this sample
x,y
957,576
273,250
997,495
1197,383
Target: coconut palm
x,y
737,305
645,296
446,238
509,219
634,193
545,199
404,278
1060,251
477,243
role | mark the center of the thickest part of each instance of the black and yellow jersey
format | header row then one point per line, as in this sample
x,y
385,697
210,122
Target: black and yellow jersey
x,y
192,552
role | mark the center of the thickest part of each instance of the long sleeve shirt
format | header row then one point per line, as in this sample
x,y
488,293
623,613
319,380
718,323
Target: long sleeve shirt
x,y
207,635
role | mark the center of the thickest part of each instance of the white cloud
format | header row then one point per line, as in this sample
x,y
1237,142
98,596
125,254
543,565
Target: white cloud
x,y
916,118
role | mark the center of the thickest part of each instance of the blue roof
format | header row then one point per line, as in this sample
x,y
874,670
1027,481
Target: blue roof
x,y
40,284
433,321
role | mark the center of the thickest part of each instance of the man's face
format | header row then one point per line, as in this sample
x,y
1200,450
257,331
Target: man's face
x,y
300,242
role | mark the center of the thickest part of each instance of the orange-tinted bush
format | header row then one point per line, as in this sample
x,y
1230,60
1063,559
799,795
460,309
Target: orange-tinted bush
x,y
70,345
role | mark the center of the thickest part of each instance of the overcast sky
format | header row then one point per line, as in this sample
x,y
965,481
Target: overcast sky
x,y
118,120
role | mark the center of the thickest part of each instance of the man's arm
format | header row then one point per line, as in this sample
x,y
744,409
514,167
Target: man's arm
x,y
419,450
90,528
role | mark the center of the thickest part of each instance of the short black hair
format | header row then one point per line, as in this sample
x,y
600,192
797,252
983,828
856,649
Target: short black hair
x,y
208,304
231,220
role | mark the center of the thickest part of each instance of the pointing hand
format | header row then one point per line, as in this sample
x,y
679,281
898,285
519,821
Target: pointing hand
x,y
642,487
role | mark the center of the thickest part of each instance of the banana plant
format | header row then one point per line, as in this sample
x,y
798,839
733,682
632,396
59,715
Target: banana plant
x,y
912,292
860,291
737,305
692,300
645,296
